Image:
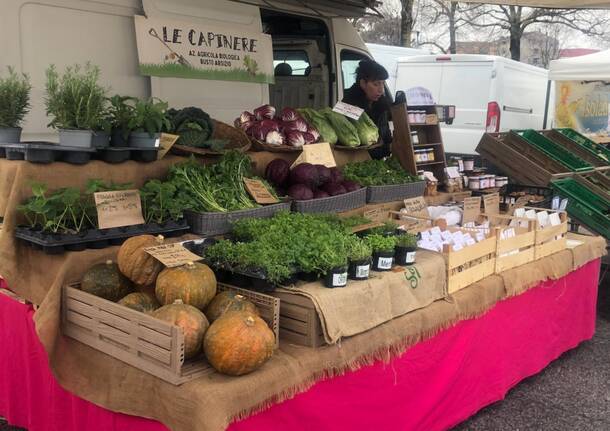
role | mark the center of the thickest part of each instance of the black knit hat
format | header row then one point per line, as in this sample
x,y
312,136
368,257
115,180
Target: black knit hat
x,y
370,70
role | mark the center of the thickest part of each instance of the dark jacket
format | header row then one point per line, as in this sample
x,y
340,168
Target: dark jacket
x,y
379,112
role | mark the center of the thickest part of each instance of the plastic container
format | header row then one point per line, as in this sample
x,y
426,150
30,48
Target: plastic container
x,y
337,277
10,135
395,192
382,261
404,256
333,204
76,138
144,140
359,269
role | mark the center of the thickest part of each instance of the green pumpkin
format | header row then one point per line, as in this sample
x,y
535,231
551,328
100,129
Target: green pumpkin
x,y
106,281
228,301
140,301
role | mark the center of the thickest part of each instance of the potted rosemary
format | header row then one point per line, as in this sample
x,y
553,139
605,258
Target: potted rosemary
x,y
148,121
75,101
14,105
383,251
406,247
359,253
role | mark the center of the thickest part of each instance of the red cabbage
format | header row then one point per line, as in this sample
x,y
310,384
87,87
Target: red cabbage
x,y
335,175
277,172
305,173
274,138
264,112
289,114
300,192
334,189
323,174
294,138
350,186
320,194
271,125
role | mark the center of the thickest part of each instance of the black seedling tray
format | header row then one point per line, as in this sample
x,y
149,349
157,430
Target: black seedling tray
x,y
52,243
46,152
256,281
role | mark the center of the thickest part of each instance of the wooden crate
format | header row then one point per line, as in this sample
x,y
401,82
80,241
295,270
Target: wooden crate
x,y
522,243
551,239
138,339
470,264
519,160
575,148
299,321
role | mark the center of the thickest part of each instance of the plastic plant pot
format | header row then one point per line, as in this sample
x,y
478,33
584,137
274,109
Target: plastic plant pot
x,y
336,277
309,277
144,140
76,138
383,260
359,269
101,139
117,139
404,256
10,135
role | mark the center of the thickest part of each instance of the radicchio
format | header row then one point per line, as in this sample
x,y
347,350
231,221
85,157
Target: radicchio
x,y
259,132
289,114
294,138
245,117
308,138
264,112
274,138
271,125
247,125
296,125
314,132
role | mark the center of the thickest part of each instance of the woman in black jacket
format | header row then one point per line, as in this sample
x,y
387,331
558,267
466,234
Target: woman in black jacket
x,y
368,93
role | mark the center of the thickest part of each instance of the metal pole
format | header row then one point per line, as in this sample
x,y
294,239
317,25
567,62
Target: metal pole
x,y
546,104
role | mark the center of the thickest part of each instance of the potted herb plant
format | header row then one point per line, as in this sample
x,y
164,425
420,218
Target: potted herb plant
x,y
334,262
359,253
383,251
14,105
119,114
75,101
148,121
406,247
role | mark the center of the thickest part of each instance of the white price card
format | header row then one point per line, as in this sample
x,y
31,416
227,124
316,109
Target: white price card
x,y
350,111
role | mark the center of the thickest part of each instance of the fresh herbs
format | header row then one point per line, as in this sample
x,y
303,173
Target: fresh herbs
x,y
119,114
150,116
406,240
377,173
358,250
14,98
380,243
160,202
387,228
218,187
75,100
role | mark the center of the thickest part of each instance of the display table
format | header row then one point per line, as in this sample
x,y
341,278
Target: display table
x,y
434,385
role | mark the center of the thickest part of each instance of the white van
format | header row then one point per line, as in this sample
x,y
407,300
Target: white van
x,y
388,56
317,41
490,94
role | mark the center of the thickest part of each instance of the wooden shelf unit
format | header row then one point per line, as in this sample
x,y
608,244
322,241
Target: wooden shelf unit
x,y
429,136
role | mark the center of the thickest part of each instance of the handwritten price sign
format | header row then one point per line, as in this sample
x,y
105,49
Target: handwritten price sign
x,y
118,208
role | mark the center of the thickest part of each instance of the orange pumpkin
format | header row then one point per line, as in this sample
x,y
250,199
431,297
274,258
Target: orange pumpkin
x,y
193,323
228,301
137,265
238,343
194,284
140,301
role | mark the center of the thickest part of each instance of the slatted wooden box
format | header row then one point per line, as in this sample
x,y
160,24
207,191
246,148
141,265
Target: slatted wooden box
x,y
470,264
299,321
551,239
140,340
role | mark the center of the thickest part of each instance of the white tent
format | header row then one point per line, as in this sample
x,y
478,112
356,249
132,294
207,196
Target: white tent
x,y
592,67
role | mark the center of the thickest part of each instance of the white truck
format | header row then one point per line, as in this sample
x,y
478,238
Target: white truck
x,y
490,93
320,45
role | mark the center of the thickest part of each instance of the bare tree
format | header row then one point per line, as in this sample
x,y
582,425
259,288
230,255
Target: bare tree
x,y
551,46
516,19
407,22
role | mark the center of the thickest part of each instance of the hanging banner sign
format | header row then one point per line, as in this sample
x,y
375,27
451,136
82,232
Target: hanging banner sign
x,y
583,106
179,49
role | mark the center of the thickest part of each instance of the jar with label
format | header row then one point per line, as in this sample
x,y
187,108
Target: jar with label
x,y
422,117
484,182
468,164
501,181
460,164
424,155
411,116
414,138
430,154
492,181
474,183
417,155
420,175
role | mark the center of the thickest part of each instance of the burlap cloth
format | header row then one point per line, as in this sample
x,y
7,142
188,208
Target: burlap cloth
x,y
363,305
210,403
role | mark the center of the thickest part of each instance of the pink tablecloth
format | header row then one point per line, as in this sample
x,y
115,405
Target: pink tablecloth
x,y
433,386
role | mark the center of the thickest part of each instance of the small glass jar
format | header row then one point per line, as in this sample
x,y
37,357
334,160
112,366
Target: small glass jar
x,y
414,138
484,182
424,155
420,175
411,116
430,153
417,154
460,164
422,117
468,164
474,183
492,181
501,181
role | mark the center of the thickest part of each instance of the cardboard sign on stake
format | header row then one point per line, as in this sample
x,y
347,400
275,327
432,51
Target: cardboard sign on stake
x,y
316,154
375,215
259,192
472,209
166,142
118,208
491,203
172,255
416,207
